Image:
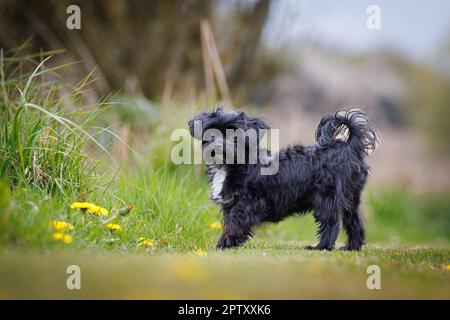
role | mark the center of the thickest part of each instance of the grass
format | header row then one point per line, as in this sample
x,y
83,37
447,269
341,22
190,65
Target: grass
x,y
286,272
173,209
44,132
46,150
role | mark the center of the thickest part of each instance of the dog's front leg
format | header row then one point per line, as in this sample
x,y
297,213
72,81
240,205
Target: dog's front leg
x,y
231,240
236,231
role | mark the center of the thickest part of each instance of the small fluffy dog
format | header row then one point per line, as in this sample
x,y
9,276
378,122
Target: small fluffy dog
x,y
326,178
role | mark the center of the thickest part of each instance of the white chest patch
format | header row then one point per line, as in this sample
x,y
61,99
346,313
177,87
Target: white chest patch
x,y
217,184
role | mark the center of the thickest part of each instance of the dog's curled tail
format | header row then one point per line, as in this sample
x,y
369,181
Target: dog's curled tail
x,y
362,136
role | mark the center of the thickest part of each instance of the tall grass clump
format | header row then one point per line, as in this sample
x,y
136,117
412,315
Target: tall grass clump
x,y
45,129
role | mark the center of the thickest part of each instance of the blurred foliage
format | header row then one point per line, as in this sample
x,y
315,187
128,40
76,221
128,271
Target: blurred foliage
x,y
147,47
4,195
397,216
424,102
430,99
152,51
137,111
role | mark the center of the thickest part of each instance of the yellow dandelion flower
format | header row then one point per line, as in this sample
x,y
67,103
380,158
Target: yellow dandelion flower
x,y
58,236
97,210
114,227
59,225
448,267
200,253
65,238
90,208
144,242
216,225
81,205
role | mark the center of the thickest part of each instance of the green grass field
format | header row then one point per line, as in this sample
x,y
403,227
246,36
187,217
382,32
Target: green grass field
x,y
265,271
165,247
173,210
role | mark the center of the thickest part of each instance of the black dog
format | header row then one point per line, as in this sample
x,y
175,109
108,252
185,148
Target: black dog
x,y
326,178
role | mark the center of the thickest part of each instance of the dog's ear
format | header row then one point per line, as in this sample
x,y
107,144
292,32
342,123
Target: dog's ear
x,y
194,123
190,124
257,124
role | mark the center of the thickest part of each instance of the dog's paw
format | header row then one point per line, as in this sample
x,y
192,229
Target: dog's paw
x,y
226,243
221,245
232,241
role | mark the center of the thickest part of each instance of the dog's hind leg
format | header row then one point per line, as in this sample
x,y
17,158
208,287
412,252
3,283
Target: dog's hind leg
x,y
327,216
354,227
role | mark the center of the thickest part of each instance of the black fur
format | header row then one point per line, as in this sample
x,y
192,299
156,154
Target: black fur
x,y
326,178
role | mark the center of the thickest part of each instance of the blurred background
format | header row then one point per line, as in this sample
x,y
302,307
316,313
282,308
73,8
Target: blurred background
x,y
293,60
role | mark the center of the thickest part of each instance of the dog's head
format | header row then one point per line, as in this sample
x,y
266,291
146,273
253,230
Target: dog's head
x,y
222,132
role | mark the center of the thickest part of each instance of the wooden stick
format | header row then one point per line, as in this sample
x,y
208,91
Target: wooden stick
x,y
207,66
216,63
